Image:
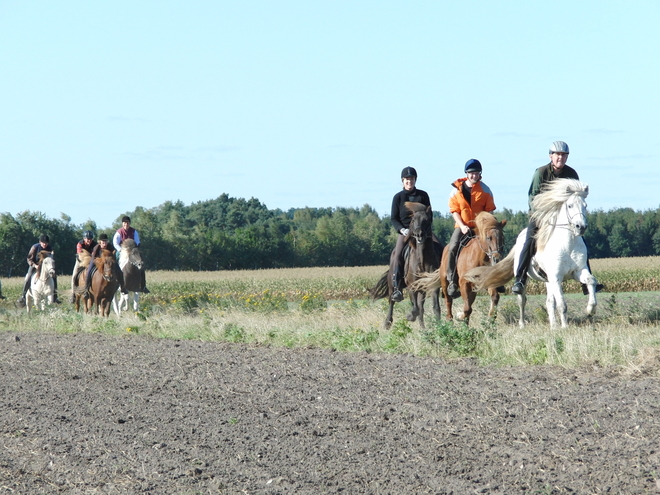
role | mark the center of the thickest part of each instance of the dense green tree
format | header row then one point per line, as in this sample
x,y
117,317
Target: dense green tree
x,y
234,233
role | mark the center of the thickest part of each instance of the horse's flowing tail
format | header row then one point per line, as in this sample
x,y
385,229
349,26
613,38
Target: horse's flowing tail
x,y
426,282
496,275
381,289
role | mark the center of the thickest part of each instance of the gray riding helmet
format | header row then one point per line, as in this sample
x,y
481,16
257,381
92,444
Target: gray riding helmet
x,y
559,147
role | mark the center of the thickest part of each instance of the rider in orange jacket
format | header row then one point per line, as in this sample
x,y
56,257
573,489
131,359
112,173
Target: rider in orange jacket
x,y
469,198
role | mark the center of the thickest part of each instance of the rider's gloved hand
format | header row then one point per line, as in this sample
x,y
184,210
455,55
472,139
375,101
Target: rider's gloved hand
x,y
404,231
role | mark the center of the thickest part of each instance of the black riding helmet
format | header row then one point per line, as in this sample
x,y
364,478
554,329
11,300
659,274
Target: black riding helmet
x,y
88,234
408,172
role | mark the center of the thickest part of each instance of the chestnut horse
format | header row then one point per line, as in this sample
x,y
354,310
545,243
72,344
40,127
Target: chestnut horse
x,y
420,255
483,248
104,284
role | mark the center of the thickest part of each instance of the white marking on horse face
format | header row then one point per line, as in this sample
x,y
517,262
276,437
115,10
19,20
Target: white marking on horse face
x,y
576,213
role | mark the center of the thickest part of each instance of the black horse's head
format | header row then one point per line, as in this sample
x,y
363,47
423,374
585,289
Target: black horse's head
x,y
421,221
131,251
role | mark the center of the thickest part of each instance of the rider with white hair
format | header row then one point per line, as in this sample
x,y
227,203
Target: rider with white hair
x,y
556,169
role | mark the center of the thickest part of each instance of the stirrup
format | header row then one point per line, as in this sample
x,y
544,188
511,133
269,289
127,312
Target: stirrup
x,y
518,288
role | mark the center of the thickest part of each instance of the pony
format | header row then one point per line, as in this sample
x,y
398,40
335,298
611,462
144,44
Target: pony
x,y
79,279
420,255
42,285
104,284
131,265
485,247
560,211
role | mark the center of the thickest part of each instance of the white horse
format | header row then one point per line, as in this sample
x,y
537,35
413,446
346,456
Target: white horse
x,y
42,285
130,263
560,212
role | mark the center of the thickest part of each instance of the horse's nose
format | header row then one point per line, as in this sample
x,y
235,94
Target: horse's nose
x,y
581,229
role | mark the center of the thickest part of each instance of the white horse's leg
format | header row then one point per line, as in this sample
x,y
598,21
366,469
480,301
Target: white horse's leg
x,y
136,301
28,300
522,301
589,280
556,302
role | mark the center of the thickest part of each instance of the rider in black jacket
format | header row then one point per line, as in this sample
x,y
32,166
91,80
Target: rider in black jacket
x,y
400,218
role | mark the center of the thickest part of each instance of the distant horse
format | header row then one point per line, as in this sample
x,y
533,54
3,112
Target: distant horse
x,y
104,284
79,279
131,265
560,211
420,255
484,248
42,285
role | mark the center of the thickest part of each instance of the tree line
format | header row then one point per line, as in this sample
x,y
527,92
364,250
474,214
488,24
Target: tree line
x,y
233,233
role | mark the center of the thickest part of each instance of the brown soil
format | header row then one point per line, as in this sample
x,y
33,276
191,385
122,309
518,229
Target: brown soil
x,y
101,414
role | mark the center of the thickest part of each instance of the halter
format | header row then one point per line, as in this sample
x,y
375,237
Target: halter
x,y
570,225
488,252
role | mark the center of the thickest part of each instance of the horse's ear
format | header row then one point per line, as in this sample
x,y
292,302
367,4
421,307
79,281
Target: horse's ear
x,y
503,222
429,211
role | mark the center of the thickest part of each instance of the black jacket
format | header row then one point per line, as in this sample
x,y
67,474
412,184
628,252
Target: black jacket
x,y
400,216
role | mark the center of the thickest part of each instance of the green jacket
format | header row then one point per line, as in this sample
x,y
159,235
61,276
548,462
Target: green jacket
x,y
546,174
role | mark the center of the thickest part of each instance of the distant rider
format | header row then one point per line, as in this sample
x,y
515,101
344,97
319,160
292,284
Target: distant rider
x,y
128,232
104,244
33,261
86,244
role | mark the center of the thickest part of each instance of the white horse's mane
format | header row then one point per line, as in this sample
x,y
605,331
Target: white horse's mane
x,y
547,204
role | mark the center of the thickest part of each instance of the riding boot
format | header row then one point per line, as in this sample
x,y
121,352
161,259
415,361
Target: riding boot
x,y
397,295
526,254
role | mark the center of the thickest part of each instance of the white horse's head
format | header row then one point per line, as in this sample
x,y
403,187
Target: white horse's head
x,y
575,211
47,268
561,204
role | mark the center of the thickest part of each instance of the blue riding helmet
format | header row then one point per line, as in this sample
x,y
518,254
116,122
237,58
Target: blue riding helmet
x,y
472,165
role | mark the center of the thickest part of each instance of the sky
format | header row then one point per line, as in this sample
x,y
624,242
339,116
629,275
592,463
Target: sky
x,y
107,106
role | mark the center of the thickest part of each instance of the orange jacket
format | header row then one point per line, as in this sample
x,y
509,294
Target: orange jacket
x,y
481,199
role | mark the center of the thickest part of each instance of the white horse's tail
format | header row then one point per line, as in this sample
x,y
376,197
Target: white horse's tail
x,y
426,282
484,277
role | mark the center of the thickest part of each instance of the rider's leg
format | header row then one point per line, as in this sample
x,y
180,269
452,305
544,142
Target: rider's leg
x,y
88,278
143,276
55,298
452,248
74,277
26,285
120,276
396,264
528,250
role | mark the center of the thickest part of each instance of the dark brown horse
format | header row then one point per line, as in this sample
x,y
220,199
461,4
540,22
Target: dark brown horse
x,y
483,248
104,284
420,256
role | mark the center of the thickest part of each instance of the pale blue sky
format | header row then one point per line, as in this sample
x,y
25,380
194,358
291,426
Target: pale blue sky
x,y
106,106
